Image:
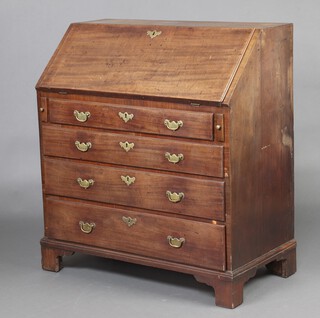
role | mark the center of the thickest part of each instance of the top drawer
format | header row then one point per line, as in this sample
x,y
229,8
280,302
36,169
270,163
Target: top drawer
x,y
160,121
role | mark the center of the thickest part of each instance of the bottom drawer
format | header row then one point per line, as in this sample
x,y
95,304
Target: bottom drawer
x,y
156,236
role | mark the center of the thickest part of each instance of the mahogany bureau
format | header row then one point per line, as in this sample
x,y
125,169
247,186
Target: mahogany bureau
x,y
170,144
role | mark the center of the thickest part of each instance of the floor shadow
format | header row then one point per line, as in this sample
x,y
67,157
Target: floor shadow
x,y
134,271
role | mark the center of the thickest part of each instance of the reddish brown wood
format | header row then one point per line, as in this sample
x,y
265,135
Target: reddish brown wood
x,y
147,152
231,85
285,265
244,164
202,197
261,162
197,125
234,280
43,109
166,66
228,293
148,236
52,258
228,290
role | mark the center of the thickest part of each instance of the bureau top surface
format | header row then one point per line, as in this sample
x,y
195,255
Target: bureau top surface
x,y
163,59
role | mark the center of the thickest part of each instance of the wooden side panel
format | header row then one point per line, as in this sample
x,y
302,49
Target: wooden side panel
x,y
245,163
261,150
277,175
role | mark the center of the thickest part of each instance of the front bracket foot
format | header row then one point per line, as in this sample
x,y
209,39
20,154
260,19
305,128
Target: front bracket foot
x,y
52,258
285,265
228,292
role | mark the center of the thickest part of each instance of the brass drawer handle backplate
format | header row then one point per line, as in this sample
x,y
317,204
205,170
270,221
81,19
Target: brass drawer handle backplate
x,y
81,116
173,158
129,220
175,197
173,125
86,227
175,242
83,146
125,116
126,145
85,183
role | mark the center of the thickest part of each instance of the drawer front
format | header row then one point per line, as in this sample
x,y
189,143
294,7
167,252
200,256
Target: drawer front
x,y
190,124
137,188
155,153
194,243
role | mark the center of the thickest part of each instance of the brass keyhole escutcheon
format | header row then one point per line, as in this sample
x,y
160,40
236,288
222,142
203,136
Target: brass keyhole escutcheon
x,y
125,116
126,145
129,220
128,180
153,33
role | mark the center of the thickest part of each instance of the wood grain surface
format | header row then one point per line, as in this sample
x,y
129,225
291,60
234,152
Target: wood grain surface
x,y
148,236
204,198
146,153
182,62
231,86
262,167
197,125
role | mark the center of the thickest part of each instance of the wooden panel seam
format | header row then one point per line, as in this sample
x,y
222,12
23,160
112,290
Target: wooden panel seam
x,y
242,65
236,67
